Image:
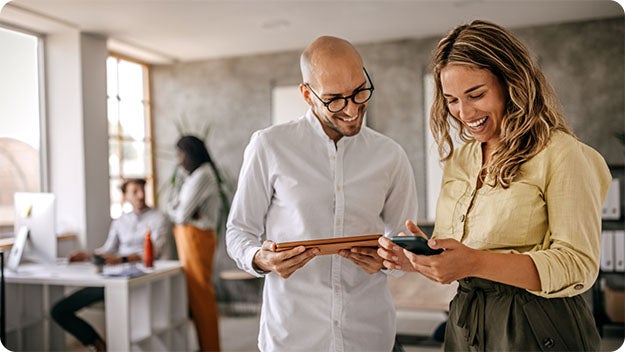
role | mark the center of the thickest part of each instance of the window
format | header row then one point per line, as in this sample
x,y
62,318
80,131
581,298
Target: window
x,y
130,137
21,146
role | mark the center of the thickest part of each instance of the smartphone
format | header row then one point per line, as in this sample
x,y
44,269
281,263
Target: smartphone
x,y
415,244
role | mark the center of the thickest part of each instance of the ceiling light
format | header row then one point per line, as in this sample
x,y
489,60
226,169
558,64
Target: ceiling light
x,y
275,24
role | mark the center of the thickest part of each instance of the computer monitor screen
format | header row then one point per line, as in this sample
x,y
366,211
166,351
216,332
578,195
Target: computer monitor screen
x,y
37,212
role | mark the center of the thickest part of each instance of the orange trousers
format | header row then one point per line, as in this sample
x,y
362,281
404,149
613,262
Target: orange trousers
x,y
196,250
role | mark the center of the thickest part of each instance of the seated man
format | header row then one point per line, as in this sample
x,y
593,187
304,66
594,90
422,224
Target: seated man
x,y
124,244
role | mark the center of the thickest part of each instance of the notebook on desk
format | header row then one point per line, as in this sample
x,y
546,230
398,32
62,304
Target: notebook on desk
x,y
122,271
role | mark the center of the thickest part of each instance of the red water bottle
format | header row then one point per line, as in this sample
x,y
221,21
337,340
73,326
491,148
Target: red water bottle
x,y
148,251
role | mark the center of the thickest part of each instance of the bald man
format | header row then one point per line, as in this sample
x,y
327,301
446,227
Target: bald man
x,y
323,175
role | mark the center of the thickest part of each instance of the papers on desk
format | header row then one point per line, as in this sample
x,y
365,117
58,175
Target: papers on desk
x,y
123,270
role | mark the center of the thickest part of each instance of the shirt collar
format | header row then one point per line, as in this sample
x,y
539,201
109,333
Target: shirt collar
x,y
139,214
316,125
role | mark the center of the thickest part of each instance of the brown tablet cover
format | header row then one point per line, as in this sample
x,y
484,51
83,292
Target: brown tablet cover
x,y
332,245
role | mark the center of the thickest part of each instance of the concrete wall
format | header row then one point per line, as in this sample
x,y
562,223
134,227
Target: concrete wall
x,y
584,62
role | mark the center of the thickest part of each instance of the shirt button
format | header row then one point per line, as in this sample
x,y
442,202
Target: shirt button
x,y
578,286
548,342
462,218
336,323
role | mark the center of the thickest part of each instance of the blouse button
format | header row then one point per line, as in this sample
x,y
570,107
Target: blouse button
x,y
462,218
548,342
578,286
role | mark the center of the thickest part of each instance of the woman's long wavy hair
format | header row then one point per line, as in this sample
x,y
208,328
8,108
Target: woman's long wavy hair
x,y
531,113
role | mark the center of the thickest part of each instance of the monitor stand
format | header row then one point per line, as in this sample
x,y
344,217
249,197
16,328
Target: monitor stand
x,y
17,249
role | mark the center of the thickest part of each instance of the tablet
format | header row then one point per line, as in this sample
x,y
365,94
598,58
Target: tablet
x,y
332,245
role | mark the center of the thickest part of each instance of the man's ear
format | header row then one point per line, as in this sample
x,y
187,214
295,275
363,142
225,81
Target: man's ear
x,y
305,93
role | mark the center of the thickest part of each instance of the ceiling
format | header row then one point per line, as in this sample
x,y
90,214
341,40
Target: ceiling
x,y
167,31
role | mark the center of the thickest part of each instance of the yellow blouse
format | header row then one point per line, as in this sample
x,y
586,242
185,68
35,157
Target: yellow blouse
x,y
551,211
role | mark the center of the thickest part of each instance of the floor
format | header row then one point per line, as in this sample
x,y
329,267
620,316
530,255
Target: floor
x,y
239,334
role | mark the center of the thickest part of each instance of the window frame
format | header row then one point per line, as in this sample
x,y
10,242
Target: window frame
x,y
148,141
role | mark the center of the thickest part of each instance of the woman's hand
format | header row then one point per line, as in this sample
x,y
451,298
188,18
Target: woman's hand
x,y
395,257
457,261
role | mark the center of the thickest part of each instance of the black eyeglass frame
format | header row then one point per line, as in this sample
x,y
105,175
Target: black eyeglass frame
x,y
345,99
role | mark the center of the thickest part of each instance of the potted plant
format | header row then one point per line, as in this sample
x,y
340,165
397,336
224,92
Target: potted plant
x,y
223,184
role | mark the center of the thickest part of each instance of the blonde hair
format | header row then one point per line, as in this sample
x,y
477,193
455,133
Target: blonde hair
x,y
531,108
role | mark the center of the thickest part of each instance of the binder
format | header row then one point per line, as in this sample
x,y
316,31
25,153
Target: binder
x,y
607,251
611,209
619,250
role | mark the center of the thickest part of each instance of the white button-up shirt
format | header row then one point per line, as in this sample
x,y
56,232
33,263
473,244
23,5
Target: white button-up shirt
x,y
127,233
295,184
197,202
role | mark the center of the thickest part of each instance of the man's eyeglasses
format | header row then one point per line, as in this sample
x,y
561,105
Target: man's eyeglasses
x,y
337,104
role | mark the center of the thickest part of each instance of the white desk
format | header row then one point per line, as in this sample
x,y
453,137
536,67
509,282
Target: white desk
x,y
147,312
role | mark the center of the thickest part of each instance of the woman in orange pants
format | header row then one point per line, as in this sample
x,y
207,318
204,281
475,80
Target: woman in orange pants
x,y
194,208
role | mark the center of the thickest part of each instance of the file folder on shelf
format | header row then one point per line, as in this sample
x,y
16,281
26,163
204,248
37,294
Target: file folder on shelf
x,y
607,251
619,250
611,209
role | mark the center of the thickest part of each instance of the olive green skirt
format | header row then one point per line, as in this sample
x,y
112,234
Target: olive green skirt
x,y
489,316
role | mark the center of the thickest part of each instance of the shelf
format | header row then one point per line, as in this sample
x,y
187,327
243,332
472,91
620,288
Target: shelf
x,y
160,292
147,313
140,313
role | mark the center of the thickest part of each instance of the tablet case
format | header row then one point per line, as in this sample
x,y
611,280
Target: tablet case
x,y
332,245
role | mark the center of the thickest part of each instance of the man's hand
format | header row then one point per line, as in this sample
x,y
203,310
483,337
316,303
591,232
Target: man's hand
x,y
111,259
283,263
79,256
365,257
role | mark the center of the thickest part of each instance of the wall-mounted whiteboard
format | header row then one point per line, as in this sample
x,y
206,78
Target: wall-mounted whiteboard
x,y
286,104
433,167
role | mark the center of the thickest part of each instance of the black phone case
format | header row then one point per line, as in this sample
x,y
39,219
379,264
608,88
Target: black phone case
x,y
415,244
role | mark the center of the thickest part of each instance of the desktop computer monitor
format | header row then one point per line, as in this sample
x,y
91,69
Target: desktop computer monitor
x,y
36,213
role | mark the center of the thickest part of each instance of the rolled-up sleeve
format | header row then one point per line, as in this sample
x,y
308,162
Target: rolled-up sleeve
x,y
112,241
575,190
